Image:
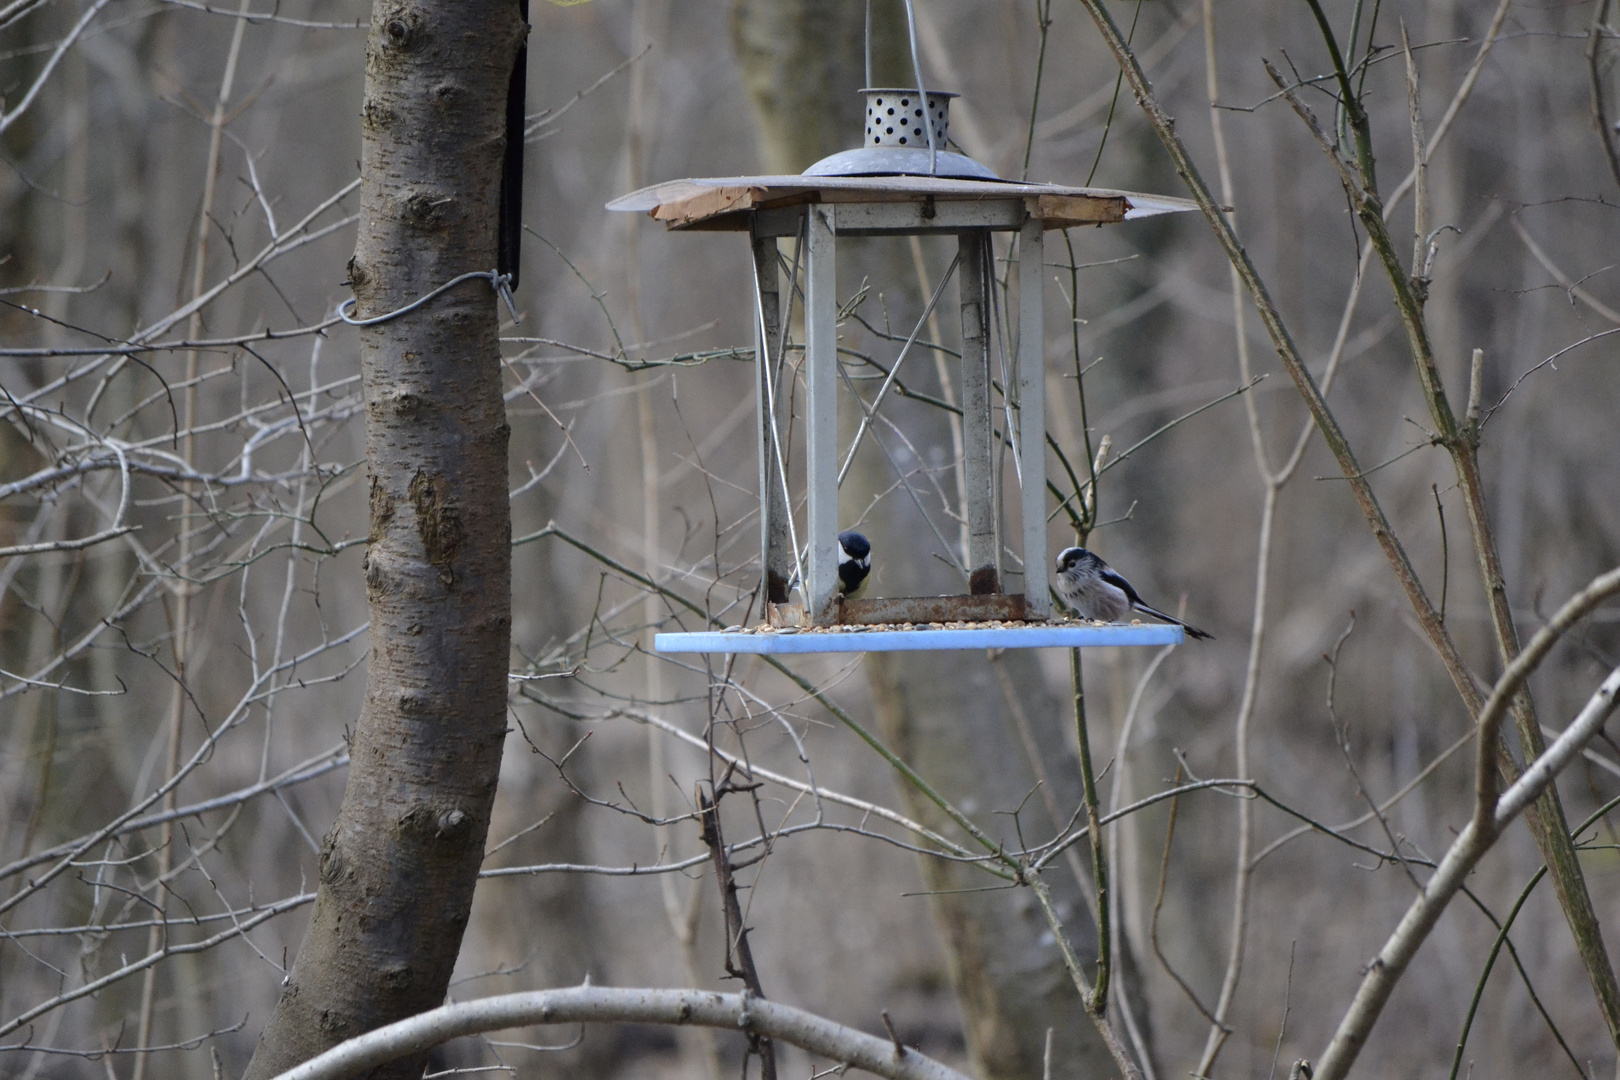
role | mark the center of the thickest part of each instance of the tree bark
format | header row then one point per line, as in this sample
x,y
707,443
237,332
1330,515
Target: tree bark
x,y
399,865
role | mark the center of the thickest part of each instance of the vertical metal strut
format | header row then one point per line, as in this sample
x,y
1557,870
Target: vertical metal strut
x,y
776,548
973,284
821,421
1032,416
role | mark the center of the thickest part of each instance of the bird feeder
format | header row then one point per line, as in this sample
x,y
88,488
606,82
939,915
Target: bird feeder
x,y
902,182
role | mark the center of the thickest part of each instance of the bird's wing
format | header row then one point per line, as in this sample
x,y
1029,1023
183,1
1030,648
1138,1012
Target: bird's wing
x,y
1107,574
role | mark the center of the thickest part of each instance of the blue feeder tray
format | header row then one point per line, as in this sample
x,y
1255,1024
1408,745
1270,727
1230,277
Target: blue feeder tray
x,y
846,639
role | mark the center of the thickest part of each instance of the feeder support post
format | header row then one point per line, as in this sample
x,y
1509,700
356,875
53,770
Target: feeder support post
x,y
980,511
776,552
821,421
1032,414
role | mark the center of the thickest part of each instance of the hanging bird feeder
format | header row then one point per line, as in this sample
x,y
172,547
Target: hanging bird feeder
x,y
902,182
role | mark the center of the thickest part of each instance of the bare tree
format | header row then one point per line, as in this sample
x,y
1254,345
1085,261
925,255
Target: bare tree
x,y
426,751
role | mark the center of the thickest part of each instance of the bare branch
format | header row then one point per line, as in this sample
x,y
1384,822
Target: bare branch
x,y
1390,964
601,1004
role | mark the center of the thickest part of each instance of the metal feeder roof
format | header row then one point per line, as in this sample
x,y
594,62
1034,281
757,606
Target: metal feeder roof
x,y
728,203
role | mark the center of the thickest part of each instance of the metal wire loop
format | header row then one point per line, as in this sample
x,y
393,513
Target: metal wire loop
x,y
501,283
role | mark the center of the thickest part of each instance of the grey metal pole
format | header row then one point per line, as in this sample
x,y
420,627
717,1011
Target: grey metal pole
x,y
922,91
867,85
821,378
776,549
1032,415
977,460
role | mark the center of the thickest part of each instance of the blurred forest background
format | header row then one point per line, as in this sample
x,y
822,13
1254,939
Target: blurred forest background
x,y
182,610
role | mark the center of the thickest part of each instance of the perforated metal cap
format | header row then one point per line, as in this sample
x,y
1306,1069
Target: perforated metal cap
x,y
897,122
898,117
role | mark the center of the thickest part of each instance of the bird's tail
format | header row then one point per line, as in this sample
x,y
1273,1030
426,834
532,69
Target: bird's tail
x,y
1192,631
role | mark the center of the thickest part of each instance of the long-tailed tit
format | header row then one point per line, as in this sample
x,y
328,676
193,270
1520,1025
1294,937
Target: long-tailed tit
x,y
854,563
1092,588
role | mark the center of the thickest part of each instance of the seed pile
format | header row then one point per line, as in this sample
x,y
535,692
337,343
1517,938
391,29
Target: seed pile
x,y
860,628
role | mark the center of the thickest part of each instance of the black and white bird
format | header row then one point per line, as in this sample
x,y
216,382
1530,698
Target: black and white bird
x,y
854,563
1095,591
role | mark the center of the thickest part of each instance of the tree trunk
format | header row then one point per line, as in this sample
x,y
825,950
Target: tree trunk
x,y
398,867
